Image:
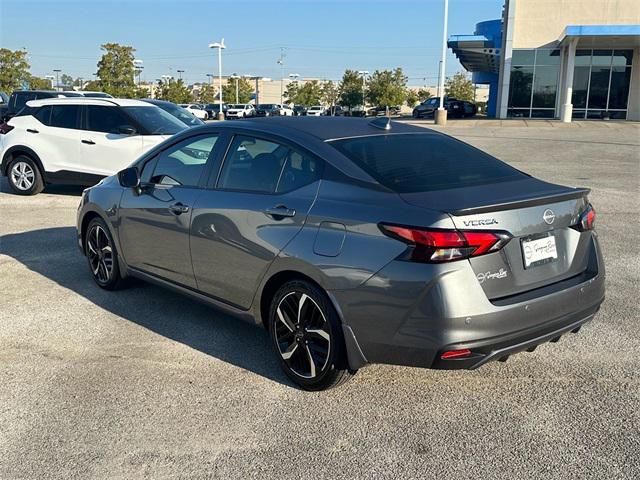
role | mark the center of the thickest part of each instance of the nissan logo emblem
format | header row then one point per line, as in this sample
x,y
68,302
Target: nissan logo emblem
x,y
548,216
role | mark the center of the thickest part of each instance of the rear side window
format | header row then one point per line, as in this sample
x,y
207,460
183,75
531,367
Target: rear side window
x,y
106,119
408,163
65,116
44,115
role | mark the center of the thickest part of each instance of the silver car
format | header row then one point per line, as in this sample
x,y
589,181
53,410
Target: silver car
x,y
352,241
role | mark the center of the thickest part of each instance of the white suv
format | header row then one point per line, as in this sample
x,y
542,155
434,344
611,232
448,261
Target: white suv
x,y
78,140
240,110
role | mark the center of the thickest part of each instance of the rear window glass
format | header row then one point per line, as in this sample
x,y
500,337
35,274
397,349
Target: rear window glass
x,y
408,163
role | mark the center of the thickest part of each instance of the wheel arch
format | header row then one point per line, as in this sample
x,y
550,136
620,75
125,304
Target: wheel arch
x,y
16,151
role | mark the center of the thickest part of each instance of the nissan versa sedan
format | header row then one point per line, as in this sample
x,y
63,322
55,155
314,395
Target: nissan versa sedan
x,y
352,242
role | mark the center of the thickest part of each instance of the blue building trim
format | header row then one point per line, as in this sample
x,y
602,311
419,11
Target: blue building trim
x,y
600,31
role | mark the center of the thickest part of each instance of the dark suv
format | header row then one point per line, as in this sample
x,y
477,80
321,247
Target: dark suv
x,y
19,99
454,107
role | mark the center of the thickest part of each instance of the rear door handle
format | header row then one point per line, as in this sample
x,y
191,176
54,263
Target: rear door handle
x,y
31,130
88,142
280,211
178,208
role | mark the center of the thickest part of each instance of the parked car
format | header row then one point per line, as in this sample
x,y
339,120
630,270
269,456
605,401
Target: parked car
x,y
335,111
353,241
241,110
382,111
196,110
212,109
267,110
299,110
19,99
454,108
78,140
316,111
180,113
470,109
285,110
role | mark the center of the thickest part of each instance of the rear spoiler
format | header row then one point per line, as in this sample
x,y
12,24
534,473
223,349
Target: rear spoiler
x,y
530,202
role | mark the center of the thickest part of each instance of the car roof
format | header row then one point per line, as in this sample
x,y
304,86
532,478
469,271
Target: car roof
x,y
122,102
325,128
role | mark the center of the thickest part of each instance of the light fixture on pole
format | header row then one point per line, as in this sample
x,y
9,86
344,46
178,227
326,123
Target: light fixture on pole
x,y
180,72
364,74
210,76
219,45
137,66
441,113
57,70
281,63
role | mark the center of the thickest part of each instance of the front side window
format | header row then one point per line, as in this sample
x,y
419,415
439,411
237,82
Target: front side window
x,y
182,164
106,119
253,165
65,116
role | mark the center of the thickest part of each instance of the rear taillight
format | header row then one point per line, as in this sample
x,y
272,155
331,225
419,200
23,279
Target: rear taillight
x,y
5,128
586,220
438,245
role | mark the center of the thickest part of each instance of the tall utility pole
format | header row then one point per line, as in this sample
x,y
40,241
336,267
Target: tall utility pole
x,y
441,114
57,70
281,63
219,45
364,74
236,77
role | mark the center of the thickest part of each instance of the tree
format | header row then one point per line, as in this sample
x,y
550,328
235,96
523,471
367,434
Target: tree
x,y
291,92
245,90
37,83
207,94
174,91
66,80
330,93
14,69
459,87
387,88
115,70
423,94
351,89
412,98
93,86
308,94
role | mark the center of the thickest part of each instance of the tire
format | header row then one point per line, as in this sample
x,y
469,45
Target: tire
x,y
295,308
25,177
102,256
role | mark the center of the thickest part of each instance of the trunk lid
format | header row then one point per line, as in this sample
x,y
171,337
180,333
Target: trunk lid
x,y
538,215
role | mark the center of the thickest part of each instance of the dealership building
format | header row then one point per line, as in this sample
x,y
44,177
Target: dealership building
x,y
566,59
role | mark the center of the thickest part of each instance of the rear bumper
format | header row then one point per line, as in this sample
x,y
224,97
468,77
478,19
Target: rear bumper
x,y
409,314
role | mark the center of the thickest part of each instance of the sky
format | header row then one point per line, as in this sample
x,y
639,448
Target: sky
x,y
320,38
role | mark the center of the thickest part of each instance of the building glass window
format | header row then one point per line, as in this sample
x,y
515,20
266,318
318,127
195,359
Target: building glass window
x,y
534,83
601,83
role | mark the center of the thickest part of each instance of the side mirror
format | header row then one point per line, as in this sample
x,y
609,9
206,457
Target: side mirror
x,y
129,177
126,130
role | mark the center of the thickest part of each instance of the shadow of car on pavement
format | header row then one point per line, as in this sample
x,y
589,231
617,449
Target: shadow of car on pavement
x,y
53,253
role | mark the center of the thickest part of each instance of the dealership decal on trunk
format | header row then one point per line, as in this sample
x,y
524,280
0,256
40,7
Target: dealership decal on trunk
x,y
502,273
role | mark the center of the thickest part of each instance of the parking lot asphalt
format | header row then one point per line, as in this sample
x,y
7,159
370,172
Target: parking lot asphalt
x,y
144,383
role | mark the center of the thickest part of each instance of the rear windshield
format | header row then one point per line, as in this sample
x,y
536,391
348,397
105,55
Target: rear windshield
x,y
407,163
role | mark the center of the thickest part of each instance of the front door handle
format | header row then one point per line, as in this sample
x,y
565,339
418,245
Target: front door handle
x,y
32,130
279,212
178,208
88,142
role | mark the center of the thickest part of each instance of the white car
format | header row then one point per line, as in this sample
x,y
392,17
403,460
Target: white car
x,y
286,110
240,110
196,110
316,111
78,140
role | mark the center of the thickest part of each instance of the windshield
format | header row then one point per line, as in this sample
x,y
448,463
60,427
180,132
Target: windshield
x,y
181,114
155,121
238,106
407,163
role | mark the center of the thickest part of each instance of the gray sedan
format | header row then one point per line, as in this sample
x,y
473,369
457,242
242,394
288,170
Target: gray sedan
x,y
352,241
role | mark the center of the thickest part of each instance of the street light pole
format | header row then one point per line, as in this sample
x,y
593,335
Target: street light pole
x,y
57,70
364,74
281,63
219,45
180,72
441,114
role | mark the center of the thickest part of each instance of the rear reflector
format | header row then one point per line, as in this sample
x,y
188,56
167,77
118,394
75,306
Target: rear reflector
x,y
438,245
456,354
5,128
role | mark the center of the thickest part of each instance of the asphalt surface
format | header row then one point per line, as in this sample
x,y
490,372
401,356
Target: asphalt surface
x,y
144,383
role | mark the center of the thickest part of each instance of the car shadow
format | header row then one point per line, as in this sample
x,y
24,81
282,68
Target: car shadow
x,y
72,190
53,253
